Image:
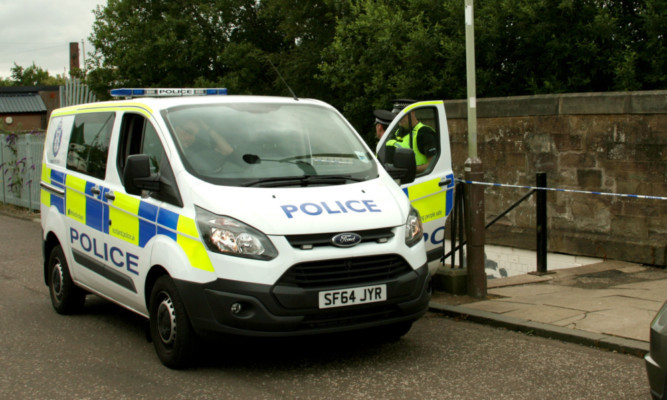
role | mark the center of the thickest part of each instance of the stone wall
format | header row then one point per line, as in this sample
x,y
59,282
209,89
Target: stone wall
x,y
602,142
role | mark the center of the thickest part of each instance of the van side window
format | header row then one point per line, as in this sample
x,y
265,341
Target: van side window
x,y
89,143
419,131
151,145
138,136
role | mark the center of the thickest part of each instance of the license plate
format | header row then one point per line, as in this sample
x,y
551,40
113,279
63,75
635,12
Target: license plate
x,y
352,296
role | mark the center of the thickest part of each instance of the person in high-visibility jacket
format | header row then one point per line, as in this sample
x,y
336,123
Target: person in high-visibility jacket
x,y
421,138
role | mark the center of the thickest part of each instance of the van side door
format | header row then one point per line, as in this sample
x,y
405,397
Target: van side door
x,y
84,186
432,192
133,220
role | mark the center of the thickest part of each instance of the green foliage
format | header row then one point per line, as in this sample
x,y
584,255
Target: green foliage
x,y
360,54
387,50
31,76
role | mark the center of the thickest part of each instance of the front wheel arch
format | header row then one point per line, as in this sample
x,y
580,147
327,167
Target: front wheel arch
x,y
48,244
155,272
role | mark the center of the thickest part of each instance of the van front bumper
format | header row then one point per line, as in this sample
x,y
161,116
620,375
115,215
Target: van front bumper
x,y
241,308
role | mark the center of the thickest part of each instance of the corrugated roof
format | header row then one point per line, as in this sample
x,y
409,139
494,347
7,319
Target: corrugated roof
x,y
21,103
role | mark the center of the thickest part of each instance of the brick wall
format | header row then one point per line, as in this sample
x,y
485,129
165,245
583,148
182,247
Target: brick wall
x,y
25,122
603,142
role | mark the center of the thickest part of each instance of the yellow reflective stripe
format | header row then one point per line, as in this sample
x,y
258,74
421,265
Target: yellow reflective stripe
x,y
423,103
124,217
192,245
424,189
75,198
426,199
101,107
431,207
44,195
46,173
187,226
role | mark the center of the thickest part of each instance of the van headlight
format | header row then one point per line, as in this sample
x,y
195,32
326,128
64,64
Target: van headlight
x,y
414,231
232,237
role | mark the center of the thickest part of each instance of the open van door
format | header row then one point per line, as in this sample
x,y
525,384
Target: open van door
x,y
432,191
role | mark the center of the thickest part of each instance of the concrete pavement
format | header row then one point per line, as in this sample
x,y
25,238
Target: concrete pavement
x,y
609,304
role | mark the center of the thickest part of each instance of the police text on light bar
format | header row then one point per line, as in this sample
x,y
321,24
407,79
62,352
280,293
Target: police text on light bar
x,y
167,92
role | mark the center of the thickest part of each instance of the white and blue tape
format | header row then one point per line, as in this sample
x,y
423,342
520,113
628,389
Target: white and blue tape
x,y
632,196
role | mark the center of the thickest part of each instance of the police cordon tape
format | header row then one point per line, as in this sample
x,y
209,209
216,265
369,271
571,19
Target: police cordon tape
x,y
633,196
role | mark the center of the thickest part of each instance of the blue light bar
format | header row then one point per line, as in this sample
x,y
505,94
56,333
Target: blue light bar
x,y
167,92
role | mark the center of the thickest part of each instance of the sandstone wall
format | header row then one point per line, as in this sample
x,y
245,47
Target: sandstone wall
x,y
602,142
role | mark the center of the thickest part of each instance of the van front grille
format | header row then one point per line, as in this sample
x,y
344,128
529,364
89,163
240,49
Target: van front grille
x,y
345,271
324,239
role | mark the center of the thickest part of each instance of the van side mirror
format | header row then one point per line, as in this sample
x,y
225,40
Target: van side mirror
x,y
400,163
137,175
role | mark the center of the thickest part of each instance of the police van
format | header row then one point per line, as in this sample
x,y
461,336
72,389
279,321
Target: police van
x,y
258,216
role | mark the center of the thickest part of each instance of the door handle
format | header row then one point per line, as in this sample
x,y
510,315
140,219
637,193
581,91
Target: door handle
x,y
95,191
446,182
109,196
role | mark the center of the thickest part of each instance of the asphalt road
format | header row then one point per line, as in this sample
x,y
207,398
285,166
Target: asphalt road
x,y
103,354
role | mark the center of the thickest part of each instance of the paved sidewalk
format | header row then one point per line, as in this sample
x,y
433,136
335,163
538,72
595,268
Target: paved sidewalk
x,y
608,304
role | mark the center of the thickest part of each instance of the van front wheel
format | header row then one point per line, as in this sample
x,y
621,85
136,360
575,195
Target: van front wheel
x,y
66,297
170,327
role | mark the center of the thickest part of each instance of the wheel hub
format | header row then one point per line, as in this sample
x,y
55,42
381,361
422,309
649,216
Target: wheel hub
x,y
166,321
57,280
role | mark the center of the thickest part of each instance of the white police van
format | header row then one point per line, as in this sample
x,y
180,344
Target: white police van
x,y
213,214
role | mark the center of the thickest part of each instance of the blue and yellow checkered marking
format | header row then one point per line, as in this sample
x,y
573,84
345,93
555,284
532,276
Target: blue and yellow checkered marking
x,y
430,199
57,180
132,220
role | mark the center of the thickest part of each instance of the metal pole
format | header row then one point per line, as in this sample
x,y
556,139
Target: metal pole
x,y
473,172
2,167
541,199
470,74
475,229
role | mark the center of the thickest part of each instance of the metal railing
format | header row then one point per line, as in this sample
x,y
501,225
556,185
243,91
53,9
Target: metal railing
x,y
74,92
457,223
21,169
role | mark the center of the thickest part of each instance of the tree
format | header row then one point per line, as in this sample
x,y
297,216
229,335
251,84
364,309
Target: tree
x,y
360,54
305,28
32,76
181,43
211,43
387,48
391,49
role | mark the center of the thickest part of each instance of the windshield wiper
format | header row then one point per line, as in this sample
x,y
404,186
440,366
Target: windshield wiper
x,y
306,167
305,180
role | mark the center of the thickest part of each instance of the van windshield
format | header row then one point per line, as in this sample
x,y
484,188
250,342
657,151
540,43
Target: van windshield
x,y
268,145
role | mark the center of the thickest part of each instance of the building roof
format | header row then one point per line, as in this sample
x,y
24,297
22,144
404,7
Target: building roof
x,y
21,103
28,89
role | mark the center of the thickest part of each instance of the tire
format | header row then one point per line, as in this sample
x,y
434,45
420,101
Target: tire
x,y
170,329
390,333
66,297
397,330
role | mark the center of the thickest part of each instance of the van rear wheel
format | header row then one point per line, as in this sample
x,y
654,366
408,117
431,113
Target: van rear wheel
x,y
66,297
170,328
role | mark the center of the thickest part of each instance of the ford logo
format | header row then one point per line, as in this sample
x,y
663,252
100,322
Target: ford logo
x,y
346,239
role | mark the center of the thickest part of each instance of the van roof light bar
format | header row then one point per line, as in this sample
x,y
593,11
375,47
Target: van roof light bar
x,y
167,92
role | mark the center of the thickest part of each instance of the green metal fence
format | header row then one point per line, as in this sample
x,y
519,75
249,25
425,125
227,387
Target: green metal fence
x,y
21,168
